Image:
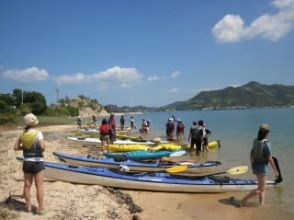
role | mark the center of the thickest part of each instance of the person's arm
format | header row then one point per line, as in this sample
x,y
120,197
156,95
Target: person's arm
x,y
272,163
17,145
42,142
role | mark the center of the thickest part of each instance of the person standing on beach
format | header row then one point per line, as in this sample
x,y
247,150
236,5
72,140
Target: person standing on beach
x,y
170,128
79,122
94,119
196,136
180,130
132,123
112,124
105,131
144,127
32,143
122,122
260,156
207,133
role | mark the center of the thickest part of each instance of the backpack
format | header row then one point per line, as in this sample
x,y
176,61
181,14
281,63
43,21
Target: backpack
x,y
196,132
104,129
260,151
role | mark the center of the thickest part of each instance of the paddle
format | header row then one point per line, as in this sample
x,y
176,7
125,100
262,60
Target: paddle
x,y
279,178
233,171
176,169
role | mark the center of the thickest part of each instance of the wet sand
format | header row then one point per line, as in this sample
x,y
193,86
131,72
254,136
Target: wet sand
x,y
71,201
188,206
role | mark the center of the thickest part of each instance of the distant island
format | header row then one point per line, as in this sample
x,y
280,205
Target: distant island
x,y
250,95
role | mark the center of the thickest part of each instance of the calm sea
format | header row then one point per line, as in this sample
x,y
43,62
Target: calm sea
x,y
236,129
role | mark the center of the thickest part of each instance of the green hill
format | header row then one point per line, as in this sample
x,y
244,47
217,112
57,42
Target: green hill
x,y
251,95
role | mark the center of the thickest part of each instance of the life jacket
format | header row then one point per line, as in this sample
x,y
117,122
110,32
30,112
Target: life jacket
x,y
180,128
196,132
104,129
30,144
170,126
260,152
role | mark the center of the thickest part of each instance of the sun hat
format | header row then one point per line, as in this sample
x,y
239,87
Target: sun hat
x,y
30,119
264,127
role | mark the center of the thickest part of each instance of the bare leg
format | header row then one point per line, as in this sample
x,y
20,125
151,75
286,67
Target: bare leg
x,y
260,191
262,187
28,180
40,189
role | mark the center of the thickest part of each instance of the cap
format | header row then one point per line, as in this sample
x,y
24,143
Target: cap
x,y
30,119
179,120
200,122
264,126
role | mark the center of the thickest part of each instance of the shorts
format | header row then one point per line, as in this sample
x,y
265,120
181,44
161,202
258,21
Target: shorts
x,y
33,167
105,140
259,168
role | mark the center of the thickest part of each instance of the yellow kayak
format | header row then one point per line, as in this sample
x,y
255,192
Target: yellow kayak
x,y
127,147
134,147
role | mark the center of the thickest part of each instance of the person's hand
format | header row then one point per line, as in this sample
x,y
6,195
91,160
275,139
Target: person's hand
x,y
277,174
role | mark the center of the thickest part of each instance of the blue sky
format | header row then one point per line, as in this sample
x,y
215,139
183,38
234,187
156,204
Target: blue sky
x,y
143,52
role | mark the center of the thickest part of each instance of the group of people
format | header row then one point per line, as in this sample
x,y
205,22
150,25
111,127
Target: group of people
x,y
31,142
198,134
171,128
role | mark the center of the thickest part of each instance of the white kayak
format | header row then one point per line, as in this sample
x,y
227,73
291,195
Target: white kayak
x,y
96,141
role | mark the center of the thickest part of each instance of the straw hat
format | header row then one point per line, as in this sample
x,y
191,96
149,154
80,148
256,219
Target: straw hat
x,y
30,120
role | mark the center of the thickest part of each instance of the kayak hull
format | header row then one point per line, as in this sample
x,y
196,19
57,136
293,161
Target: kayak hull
x,y
151,181
154,166
133,147
96,141
140,154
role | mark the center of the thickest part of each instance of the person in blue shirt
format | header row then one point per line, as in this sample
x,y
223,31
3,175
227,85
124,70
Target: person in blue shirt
x,y
260,156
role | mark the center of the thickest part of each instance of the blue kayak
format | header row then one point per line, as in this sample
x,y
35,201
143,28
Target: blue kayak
x,y
158,165
143,154
153,181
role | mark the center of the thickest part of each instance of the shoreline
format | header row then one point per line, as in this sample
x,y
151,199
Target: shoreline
x,y
75,201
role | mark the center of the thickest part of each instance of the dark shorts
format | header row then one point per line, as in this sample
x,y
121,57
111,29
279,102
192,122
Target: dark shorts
x,y
33,167
260,168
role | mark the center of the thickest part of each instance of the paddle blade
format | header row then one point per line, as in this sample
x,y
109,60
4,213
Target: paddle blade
x,y
176,169
279,179
237,170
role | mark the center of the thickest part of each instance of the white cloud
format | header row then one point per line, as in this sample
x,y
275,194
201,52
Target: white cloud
x,y
72,79
27,75
175,74
152,78
123,77
174,90
283,3
231,28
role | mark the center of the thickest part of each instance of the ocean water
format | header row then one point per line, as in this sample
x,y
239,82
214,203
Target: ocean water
x,y
236,130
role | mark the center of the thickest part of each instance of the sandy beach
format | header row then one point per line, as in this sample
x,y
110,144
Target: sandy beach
x,y
72,201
